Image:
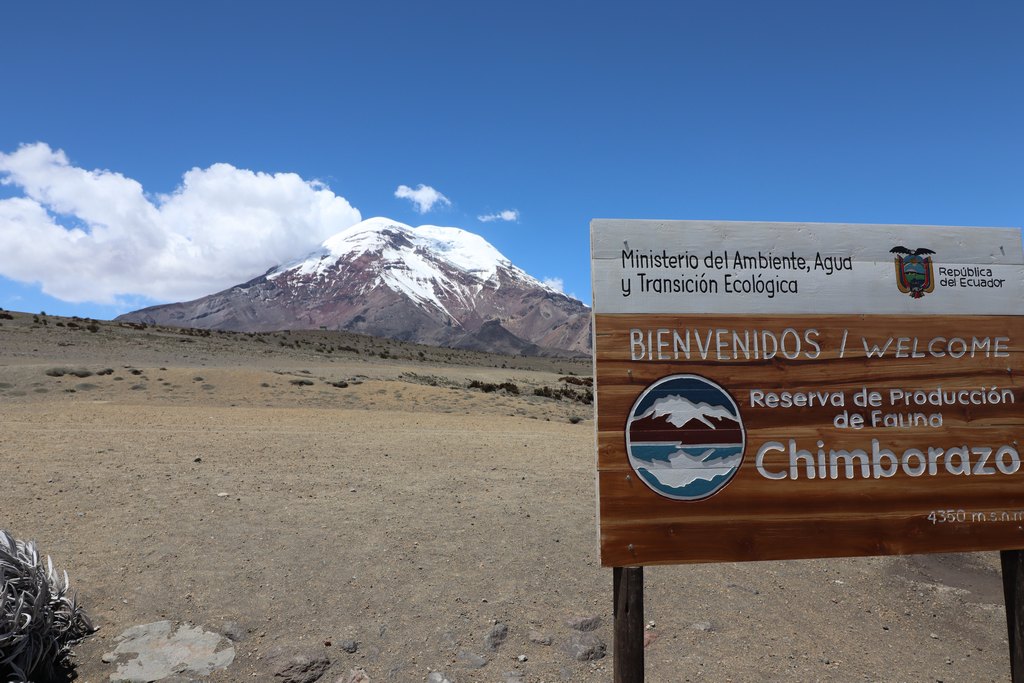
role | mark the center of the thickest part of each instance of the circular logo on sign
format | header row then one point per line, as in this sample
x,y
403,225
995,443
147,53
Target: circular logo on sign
x,y
685,437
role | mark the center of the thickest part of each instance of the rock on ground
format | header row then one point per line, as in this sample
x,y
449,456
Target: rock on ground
x,y
541,638
355,676
297,667
585,646
495,637
162,652
471,660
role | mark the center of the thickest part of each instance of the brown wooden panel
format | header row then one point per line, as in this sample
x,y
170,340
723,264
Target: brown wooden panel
x,y
754,517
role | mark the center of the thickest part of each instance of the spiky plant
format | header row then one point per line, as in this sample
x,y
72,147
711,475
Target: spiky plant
x,y
38,620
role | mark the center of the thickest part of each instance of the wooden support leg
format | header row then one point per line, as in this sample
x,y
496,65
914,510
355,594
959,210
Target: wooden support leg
x,y
1013,593
628,594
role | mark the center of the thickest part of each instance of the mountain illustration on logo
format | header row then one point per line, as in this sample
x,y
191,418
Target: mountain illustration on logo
x,y
685,437
914,272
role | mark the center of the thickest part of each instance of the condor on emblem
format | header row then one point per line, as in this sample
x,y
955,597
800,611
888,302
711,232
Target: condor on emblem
x,y
914,273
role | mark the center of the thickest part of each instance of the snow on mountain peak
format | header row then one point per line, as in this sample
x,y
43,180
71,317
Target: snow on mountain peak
x,y
680,411
465,250
413,260
460,249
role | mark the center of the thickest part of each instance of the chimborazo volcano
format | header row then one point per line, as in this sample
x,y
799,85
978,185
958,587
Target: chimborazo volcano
x,y
674,419
431,285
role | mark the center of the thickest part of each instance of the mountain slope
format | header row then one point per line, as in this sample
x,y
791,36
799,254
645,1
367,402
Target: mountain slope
x,y
433,285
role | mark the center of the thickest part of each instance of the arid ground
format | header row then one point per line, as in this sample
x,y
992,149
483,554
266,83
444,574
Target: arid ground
x,y
311,488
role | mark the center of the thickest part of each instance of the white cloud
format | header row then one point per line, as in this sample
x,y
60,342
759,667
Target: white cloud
x,y
555,283
424,197
506,215
221,226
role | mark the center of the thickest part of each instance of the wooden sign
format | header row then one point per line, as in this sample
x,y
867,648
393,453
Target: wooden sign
x,y
779,391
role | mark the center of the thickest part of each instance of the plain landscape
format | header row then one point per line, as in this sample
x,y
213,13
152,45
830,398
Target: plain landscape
x,y
391,507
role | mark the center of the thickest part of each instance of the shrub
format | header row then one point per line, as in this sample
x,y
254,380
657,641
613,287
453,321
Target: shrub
x,y
584,395
77,372
488,387
578,381
38,621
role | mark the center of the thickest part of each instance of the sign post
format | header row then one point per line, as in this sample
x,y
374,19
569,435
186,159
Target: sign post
x,y
1013,592
628,598
771,391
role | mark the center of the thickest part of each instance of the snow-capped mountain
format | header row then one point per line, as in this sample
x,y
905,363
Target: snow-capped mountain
x,y
677,411
431,284
674,419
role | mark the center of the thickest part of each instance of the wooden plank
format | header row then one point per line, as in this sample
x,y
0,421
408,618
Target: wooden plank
x,y
709,266
862,242
812,536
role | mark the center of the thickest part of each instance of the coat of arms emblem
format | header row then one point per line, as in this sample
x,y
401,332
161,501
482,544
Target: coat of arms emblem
x,y
914,273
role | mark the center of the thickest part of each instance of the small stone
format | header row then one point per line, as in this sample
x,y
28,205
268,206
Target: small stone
x,y
495,637
108,658
233,631
349,646
437,677
521,658
933,635
471,660
585,646
223,494
355,676
197,460
587,623
541,638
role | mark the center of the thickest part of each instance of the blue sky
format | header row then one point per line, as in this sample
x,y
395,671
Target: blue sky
x,y
874,112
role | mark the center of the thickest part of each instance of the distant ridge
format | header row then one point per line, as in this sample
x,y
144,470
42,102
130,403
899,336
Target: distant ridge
x,y
433,285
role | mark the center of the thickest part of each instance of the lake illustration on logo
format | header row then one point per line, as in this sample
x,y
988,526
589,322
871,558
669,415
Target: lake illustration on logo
x,y
685,437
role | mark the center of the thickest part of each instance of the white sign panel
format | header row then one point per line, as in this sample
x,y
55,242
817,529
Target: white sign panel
x,y
748,268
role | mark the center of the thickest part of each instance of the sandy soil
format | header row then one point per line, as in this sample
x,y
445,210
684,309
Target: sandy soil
x,y
224,478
